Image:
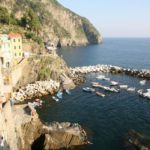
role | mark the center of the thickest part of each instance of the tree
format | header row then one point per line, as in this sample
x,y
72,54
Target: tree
x,y
31,21
4,15
13,20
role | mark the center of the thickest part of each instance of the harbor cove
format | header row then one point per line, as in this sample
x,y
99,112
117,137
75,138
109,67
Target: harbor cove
x,y
107,120
74,75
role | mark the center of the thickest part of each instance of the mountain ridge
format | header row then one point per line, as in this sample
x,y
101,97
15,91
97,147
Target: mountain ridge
x,y
58,24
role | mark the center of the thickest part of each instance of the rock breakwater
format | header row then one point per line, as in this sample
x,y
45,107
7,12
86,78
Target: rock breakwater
x,y
111,69
37,89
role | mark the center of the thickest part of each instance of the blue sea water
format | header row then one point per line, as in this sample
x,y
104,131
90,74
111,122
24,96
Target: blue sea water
x,y
125,52
108,119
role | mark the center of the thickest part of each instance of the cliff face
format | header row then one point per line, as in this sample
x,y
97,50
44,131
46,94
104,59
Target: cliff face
x,y
57,23
39,68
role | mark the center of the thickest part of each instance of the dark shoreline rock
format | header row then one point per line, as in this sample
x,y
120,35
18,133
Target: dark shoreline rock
x,y
136,141
53,136
78,79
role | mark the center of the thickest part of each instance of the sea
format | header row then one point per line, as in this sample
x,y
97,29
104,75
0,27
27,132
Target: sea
x,y
106,120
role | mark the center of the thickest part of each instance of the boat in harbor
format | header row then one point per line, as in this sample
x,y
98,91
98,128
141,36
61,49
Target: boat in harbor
x,y
144,93
55,98
102,77
123,86
95,84
59,94
109,89
100,94
131,89
142,82
68,92
114,83
88,89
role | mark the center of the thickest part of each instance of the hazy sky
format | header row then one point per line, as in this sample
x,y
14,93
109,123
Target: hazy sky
x,y
115,18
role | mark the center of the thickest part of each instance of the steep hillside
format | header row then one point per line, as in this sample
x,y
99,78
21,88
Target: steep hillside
x,y
53,22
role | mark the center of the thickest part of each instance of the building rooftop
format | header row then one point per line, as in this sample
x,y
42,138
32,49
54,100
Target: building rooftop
x,y
14,35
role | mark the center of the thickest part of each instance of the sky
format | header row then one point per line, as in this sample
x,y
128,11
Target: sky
x,y
115,18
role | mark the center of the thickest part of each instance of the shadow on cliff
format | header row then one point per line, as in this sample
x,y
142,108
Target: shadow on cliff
x,y
38,143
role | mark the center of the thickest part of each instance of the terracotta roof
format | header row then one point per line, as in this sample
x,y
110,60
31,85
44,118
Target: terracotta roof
x,y
14,35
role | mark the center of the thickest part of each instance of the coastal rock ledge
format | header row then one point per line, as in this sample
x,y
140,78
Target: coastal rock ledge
x,y
136,141
21,131
53,136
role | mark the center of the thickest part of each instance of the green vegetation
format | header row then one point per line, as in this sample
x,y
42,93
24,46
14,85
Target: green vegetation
x,y
34,37
13,20
4,16
31,21
44,73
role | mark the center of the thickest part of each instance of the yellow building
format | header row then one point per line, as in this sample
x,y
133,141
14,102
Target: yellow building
x,y
16,45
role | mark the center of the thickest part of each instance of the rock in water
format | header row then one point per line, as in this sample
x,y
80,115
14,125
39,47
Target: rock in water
x,y
64,135
136,141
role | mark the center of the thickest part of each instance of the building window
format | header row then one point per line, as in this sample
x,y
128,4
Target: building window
x,y
18,40
15,54
19,54
19,47
14,40
14,47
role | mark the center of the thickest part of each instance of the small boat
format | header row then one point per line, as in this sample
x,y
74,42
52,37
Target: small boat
x,y
114,83
55,98
68,92
140,92
95,84
102,77
123,86
59,94
144,93
148,90
100,94
87,89
107,79
109,89
143,82
131,89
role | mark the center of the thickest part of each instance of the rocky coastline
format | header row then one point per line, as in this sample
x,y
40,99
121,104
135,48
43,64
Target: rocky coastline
x,y
37,89
136,141
22,131
57,135
111,69
76,77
